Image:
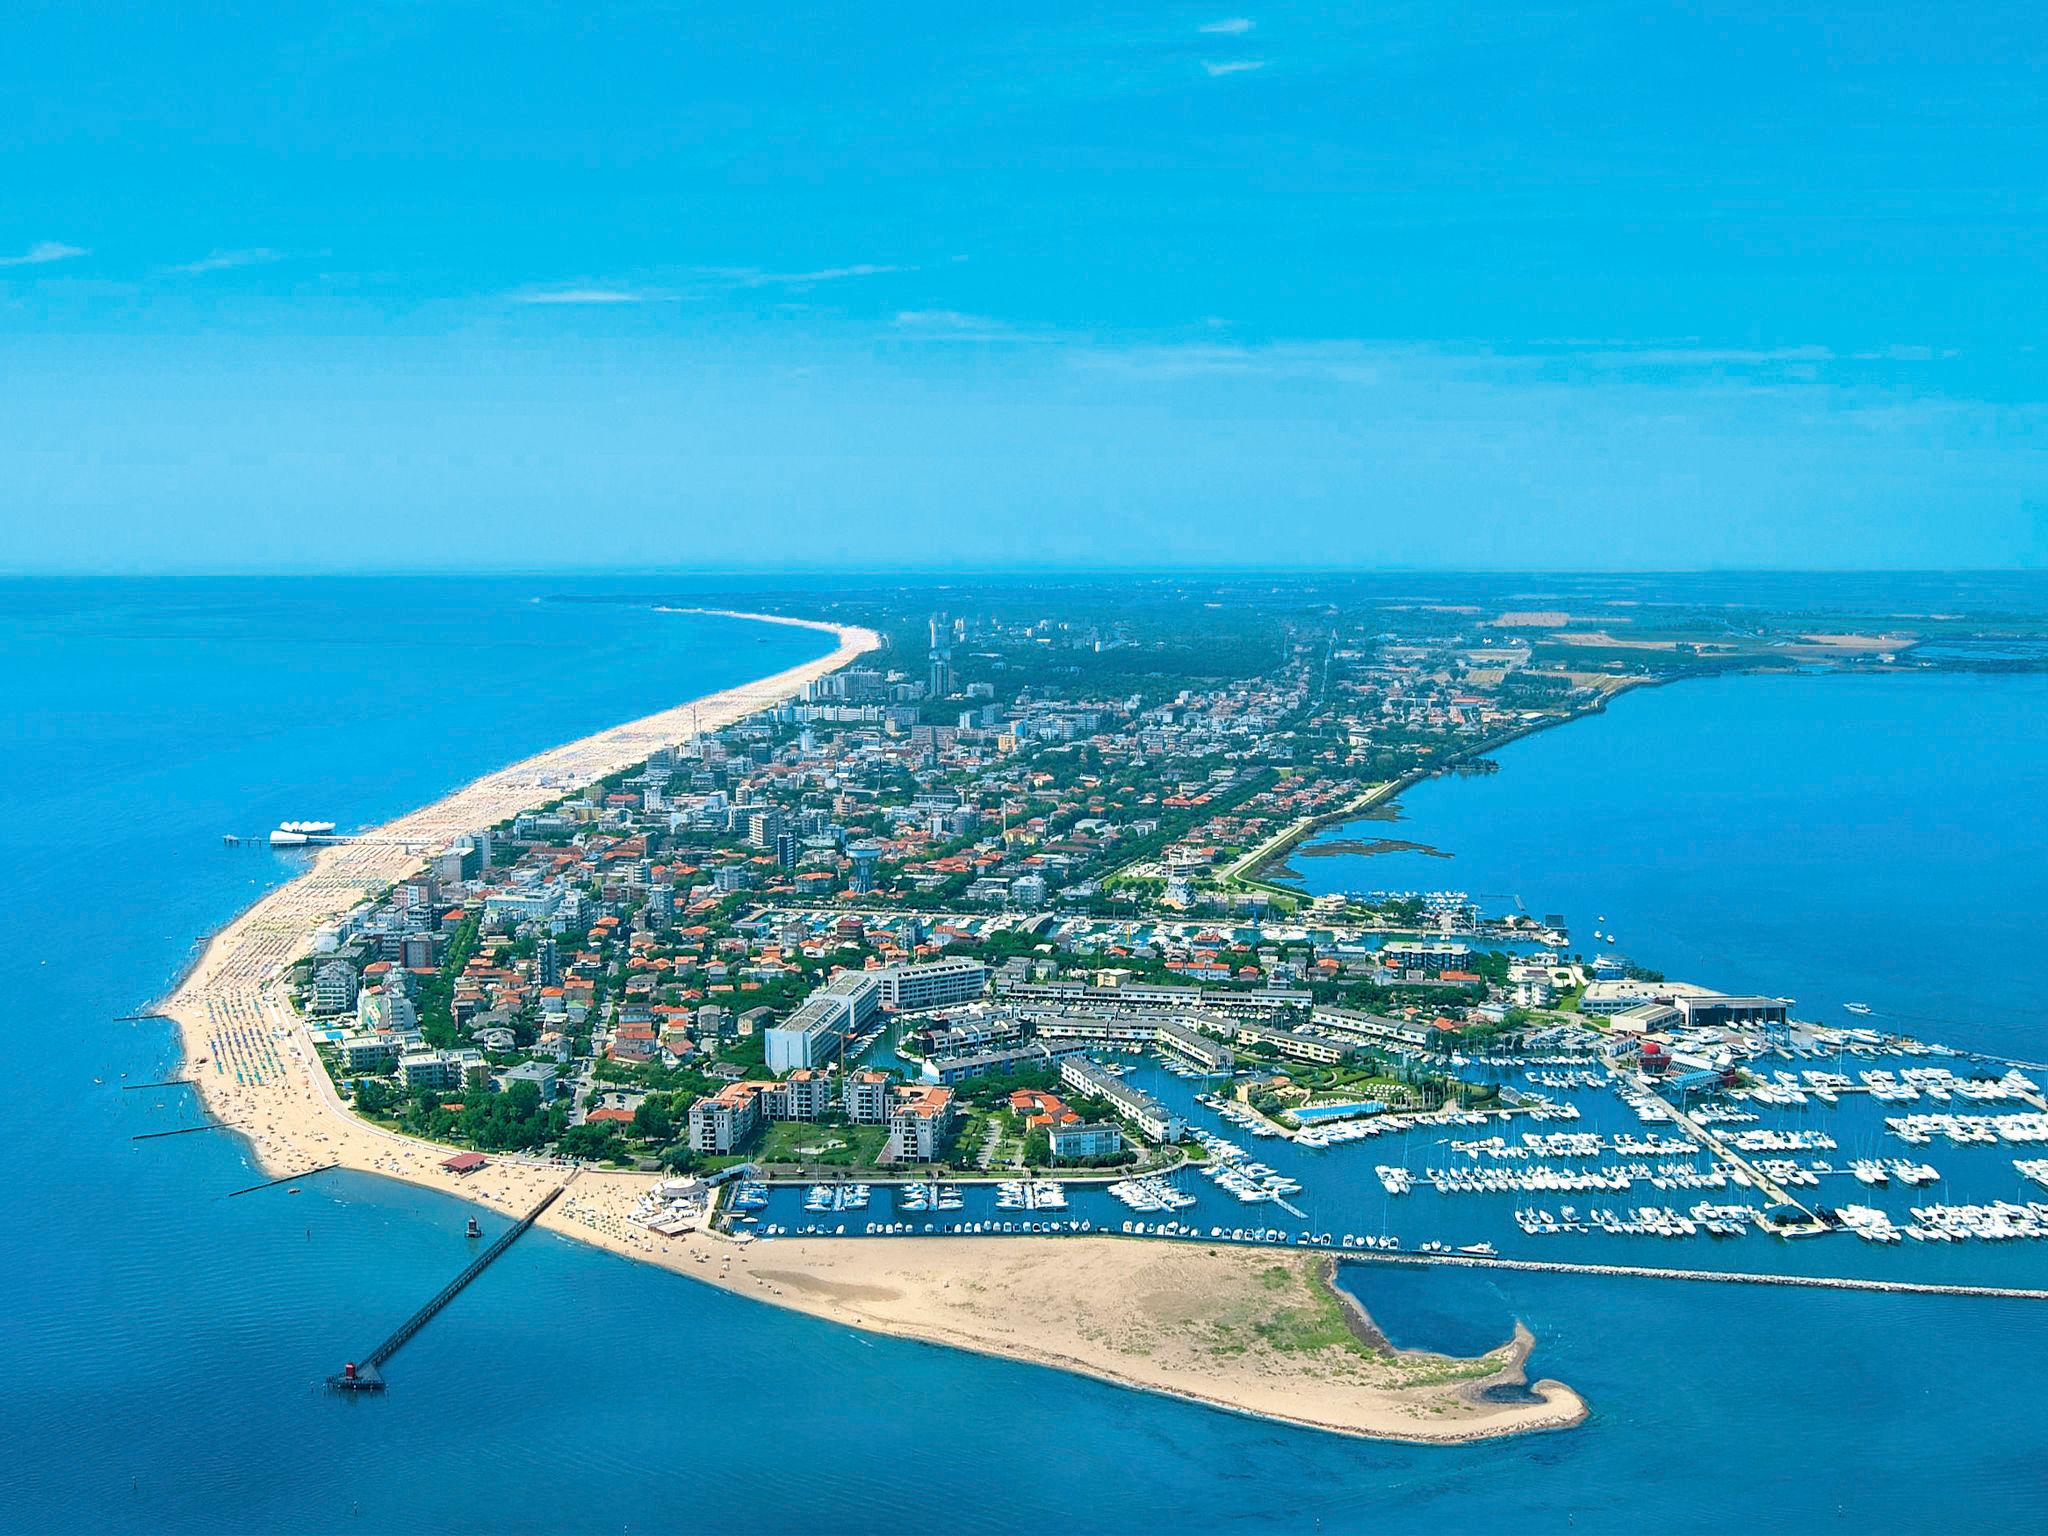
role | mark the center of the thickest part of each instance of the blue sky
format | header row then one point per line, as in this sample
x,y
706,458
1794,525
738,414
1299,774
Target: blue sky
x,y
486,285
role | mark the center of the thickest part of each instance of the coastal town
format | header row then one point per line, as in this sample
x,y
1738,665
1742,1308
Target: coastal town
x,y
989,927
918,924
686,956
1268,770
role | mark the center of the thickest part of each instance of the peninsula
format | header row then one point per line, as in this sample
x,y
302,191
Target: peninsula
x,y
926,988
1249,1331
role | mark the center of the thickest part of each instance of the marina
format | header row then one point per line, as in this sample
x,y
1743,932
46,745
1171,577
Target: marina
x,y
1464,1178
837,1197
1028,1195
928,1197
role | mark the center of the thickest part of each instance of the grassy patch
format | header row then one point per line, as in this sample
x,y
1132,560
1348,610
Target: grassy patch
x,y
1293,1312
831,1146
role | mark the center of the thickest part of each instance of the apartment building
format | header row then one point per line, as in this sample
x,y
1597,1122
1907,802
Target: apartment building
x,y
815,1034
725,1121
937,984
920,1115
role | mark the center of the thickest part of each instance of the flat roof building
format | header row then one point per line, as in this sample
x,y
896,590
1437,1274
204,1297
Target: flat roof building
x,y
1432,958
938,984
1025,1055
539,1073
817,1032
334,987
1713,1008
1373,1026
1134,1031
1300,1044
1248,1001
442,1069
1607,997
1070,1142
1154,1119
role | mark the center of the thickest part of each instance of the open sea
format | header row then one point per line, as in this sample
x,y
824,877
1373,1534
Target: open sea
x,y
162,1347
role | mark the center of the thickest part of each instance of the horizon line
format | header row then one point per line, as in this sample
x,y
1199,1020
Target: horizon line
x,y
1104,570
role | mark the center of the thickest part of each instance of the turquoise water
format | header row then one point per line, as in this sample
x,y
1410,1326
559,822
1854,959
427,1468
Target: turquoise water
x,y
1873,839
162,1347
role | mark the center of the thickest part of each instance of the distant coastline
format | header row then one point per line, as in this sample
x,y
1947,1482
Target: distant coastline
x,y
1271,867
1276,855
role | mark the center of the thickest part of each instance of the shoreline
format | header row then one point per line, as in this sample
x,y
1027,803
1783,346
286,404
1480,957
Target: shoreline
x,y
1386,794
1380,795
1130,1312
252,1061
226,1004
680,716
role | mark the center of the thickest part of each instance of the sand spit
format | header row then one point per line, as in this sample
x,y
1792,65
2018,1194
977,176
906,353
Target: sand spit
x,y
1253,1330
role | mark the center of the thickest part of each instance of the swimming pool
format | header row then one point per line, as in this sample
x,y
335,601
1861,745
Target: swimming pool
x,y
1308,1114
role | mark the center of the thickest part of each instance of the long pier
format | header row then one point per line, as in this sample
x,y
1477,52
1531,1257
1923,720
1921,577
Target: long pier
x,y
1723,1276
366,1375
168,1082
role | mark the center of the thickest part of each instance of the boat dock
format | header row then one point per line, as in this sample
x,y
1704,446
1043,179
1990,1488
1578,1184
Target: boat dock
x,y
1722,1149
1724,1276
366,1375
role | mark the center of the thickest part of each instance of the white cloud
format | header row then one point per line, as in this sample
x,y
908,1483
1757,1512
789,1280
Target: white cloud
x,y
1217,67
1340,362
584,296
954,325
1230,26
220,261
1709,357
751,279
696,282
1643,372
41,252
942,319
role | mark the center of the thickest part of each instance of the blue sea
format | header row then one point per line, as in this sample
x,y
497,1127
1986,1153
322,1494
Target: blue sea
x,y
1872,839
162,1346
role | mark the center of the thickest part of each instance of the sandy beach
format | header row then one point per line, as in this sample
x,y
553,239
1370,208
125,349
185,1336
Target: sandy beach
x,y
1259,1331
247,1050
1250,1330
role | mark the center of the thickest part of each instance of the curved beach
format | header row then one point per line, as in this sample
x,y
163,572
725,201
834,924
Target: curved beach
x,y
1256,1331
1253,1331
